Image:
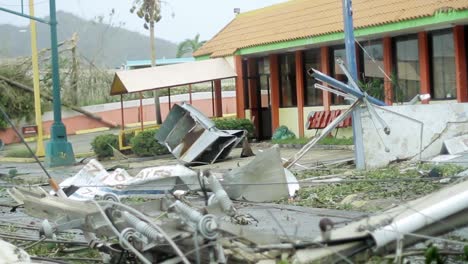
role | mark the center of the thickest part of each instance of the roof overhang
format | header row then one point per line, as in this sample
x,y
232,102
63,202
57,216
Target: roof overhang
x,y
147,79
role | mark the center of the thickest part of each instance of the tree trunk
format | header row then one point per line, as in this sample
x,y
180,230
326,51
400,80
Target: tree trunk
x,y
153,64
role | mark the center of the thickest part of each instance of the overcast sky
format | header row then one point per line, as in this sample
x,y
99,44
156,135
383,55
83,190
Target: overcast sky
x,y
206,17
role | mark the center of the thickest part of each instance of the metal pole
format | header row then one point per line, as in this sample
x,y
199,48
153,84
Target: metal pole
x,y
37,93
169,98
212,99
141,112
122,113
352,67
59,151
190,93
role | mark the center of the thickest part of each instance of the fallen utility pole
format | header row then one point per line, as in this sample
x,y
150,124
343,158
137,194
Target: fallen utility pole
x,y
49,98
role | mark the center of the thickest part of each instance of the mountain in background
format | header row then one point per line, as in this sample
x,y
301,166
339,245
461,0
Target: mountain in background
x,y
106,45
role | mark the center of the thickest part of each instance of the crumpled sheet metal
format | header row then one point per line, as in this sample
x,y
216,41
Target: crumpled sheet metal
x,y
93,179
193,138
263,179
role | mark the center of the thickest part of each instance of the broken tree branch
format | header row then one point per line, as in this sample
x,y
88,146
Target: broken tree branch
x,y
49,98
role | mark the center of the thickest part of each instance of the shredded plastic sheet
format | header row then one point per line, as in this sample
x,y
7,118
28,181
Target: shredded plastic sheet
x,y
93,180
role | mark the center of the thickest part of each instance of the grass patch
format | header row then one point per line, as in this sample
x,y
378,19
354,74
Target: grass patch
x,y
336,141
18,153
393,182
324,141
301,141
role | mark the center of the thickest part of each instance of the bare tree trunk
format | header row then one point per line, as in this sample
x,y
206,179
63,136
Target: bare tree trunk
x,y
74,76
153,64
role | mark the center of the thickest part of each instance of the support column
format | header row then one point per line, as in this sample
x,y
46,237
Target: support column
x,y
275,91
325,68
388,66
300,90
218,98
424,70
239,87
461,77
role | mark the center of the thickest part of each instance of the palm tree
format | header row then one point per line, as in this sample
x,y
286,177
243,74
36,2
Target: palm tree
x,y
150,11
189,46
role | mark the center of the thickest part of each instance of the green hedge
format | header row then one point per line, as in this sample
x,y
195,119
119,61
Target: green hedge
x,y
145,144
235,124
101,144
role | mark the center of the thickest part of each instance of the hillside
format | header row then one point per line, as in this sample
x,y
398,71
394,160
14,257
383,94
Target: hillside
x,y
107,45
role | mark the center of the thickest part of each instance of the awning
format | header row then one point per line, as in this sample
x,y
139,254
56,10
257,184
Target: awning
x,y
147,79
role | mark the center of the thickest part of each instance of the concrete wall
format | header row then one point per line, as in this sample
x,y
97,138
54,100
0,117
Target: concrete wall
x,y
440,122
110,112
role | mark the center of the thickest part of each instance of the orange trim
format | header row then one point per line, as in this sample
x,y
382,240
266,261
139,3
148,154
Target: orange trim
x,y
275,94
218,98
325,68
300,90
459,40
239,87
424,71
388,68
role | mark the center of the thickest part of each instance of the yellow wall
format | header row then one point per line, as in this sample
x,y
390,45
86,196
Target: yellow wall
x,y
289,117
248,114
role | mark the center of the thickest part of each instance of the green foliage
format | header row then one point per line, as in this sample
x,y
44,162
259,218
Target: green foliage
x,y
374,87
145,144
148,10
101,145
432,255
235,124
386,183
17,103
189,46
283,133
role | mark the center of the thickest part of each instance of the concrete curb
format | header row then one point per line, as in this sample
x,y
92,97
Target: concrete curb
x,y
32,160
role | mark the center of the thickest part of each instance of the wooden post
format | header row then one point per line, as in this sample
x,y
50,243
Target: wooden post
x,y
424,70
122,113
275,91
218,98
388,66
239,87
190,93
300,90
460,63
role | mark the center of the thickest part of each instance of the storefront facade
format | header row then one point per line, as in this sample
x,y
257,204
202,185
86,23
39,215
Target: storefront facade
x,y
413,48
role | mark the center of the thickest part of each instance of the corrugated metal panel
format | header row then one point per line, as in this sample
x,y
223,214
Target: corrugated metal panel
x,y
193,138
146,79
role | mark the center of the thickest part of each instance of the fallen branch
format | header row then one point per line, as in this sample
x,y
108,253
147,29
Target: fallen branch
x,y
49,98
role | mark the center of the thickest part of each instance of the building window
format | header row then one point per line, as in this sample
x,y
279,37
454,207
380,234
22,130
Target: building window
x,y
443,65
373,81
287,67
407,68
338,52
264,75
313,96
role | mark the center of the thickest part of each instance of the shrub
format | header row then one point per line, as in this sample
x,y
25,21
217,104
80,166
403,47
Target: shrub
x,y
282,133
145,144
235,124
101,144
